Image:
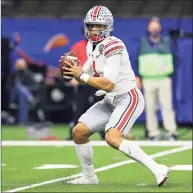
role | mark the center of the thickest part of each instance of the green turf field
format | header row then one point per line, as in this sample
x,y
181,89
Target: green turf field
x,y
19,175
62,132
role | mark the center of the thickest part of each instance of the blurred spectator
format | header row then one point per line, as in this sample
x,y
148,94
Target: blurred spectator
x,y
7,45
83,96
157,60
38,68
20,85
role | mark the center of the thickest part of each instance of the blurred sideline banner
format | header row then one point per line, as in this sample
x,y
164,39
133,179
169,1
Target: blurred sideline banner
x,y
48,39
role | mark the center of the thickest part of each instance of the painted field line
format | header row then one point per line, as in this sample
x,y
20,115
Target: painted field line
x,y
181,168
160,154
94,143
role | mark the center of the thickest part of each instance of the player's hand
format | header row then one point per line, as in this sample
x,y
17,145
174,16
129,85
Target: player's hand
x,y
73,69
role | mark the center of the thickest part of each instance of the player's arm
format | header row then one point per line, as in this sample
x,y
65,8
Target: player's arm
x,y
111,69
101,83
112,54
98,82
105,83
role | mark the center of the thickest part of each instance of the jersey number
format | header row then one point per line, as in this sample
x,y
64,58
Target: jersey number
x,y
96,74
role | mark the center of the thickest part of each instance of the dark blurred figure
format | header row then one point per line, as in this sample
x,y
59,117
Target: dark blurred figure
x,y
83,96
7,45
20,85
39,70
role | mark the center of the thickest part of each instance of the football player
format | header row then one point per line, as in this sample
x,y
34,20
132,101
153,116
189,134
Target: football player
x,y
108,68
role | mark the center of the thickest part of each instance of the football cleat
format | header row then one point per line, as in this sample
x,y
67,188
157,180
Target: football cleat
x,y
162,176
84,180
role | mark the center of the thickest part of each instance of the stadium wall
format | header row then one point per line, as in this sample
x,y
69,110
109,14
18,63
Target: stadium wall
x,y
39,40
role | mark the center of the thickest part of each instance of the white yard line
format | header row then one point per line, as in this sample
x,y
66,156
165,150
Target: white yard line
x,y
94,143
160,154
181,168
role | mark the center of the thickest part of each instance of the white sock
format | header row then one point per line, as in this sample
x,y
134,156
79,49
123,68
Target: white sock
x,y
85,155
132,150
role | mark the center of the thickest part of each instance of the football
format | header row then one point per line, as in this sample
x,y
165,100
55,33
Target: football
x,y
67,57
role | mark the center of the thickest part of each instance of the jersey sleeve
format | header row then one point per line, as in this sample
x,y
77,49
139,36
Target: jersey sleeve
x,y
111,68
113,47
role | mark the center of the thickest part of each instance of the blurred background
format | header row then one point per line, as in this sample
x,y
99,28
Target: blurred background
x,y
35,33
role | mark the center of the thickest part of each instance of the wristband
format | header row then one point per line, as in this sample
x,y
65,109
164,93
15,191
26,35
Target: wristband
x,y
84,77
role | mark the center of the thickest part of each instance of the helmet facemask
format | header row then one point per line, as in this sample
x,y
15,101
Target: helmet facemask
x,y
93,34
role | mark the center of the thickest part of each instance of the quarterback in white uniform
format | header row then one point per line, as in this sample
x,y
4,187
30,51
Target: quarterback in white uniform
x,y
110,59
108,68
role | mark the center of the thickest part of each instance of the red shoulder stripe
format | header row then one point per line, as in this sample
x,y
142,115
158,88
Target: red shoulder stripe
x,y
111,43
113,49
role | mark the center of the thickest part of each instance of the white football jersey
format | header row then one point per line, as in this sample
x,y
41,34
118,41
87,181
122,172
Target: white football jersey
x,y
110,59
